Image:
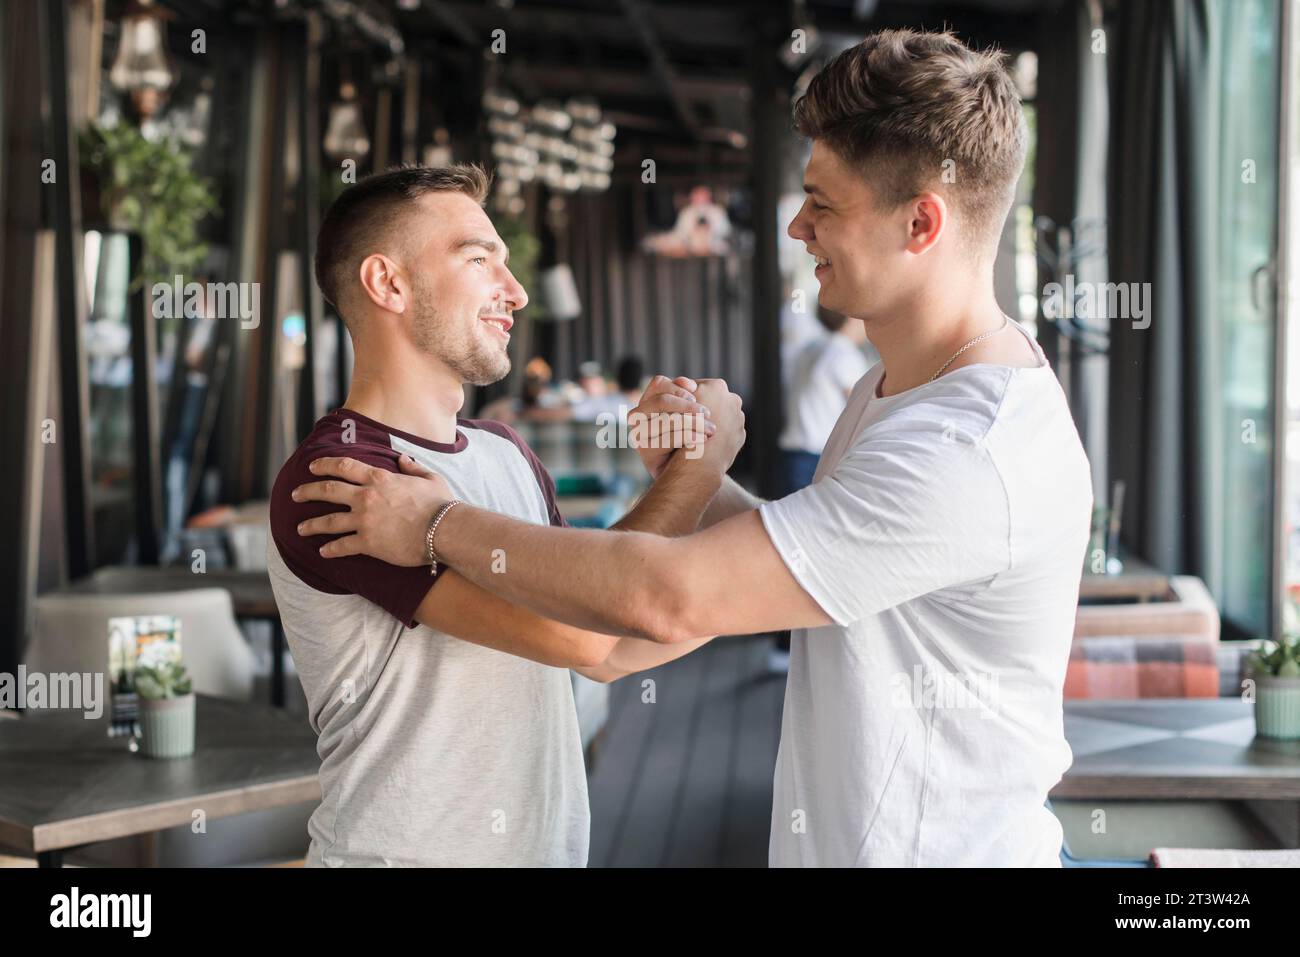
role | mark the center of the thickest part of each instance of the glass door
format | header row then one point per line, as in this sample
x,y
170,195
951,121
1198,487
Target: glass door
x,y
1288,531
1247,43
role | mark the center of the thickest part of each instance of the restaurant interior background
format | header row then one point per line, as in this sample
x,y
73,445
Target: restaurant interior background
x,y
645,170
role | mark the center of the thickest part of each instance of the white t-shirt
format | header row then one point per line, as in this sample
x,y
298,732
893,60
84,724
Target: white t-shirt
x,y
823,373
945,534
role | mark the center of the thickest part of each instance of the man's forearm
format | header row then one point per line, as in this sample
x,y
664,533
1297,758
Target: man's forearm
x,y
731,500
672,506
616,582
675,503
630,655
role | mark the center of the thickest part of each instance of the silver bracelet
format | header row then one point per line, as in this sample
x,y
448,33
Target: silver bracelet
x,y
433,528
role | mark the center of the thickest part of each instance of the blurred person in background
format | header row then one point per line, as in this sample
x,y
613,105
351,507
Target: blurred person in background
x,y
600,399
822,375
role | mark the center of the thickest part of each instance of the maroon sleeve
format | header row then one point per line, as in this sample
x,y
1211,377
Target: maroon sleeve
x,y
397,590
544,480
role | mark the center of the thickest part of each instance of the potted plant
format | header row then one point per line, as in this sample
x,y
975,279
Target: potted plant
x,y
134,184
1275,669
166,710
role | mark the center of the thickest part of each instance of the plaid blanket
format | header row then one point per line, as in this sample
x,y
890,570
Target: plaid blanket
x,y
1146,667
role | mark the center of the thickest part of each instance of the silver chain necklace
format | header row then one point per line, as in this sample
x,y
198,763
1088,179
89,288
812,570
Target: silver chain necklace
x,y
1005,320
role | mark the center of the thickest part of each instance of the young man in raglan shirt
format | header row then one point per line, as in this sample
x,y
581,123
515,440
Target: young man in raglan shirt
x,y
446,721
940,546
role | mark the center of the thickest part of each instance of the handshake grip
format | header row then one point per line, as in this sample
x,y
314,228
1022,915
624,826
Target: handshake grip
x,y
704,420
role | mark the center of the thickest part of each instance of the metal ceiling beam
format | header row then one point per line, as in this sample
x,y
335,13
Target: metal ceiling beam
x,y
663,71
631,83
705,27
451,20
650,124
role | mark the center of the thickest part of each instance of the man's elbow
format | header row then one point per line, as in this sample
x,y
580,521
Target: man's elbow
x,y
591,651
602,674
656,605
666,613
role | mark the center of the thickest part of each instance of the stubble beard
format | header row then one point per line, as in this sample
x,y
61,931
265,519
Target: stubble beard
x,y
461,350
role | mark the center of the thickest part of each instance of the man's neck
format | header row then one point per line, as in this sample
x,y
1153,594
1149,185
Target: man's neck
x,y
916,340
408,391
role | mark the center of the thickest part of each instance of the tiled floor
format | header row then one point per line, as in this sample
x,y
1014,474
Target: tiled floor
x,y
683,776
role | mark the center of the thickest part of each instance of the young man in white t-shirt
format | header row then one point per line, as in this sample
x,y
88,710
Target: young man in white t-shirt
x,y
931,571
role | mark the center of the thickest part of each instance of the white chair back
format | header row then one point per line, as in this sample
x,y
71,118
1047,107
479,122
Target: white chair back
x,y
71,635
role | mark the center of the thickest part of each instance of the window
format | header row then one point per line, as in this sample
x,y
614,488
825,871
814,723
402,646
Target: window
x,y
1246,42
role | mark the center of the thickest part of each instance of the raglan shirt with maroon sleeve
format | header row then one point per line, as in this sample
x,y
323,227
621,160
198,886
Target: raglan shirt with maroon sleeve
x,y
434,751
398,591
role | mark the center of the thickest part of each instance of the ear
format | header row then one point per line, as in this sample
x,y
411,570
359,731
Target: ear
x,y
929,219
384,284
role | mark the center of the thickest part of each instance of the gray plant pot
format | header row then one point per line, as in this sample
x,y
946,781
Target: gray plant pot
x,y
1277,707
167,727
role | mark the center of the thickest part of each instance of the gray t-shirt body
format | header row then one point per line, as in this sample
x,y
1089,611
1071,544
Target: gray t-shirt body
x,y
434,751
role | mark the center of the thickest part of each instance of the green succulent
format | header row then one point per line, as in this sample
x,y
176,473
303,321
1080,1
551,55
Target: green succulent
x,y
166,680
150,188
1280,659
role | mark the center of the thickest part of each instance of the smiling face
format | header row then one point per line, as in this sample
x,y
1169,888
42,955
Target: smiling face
x,y
915,135
463,296
861,245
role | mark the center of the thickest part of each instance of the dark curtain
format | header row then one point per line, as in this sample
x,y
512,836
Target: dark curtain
x,y
1159,221
680,316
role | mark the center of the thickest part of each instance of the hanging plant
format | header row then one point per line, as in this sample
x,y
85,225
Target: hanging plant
x,y
148,188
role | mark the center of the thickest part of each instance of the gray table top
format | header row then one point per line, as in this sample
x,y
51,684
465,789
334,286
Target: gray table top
x,y
1193,748
64,782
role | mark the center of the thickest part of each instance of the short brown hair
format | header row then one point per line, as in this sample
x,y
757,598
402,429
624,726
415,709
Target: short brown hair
x,y
365,213
901,102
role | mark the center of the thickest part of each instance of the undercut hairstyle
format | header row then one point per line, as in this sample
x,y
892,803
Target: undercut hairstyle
x,y
367,216
903,107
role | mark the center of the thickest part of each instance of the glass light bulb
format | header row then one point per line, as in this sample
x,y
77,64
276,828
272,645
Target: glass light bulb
x,y
345,136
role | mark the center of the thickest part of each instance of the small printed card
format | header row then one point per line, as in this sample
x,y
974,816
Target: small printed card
x,y
145,640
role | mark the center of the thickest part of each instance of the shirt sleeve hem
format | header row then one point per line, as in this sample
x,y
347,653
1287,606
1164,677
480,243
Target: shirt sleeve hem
x,y
405,613
779,533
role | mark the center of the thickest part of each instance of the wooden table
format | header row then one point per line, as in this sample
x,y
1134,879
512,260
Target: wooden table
x,y
65,783
1193,748
250,594
1137,582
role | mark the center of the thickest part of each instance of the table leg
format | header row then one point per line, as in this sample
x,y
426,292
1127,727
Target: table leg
x,y
49,859
277,663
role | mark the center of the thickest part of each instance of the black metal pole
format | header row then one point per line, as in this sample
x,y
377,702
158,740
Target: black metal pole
x,y
309,146
74,436
20,396
771,117
260,429
144,409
